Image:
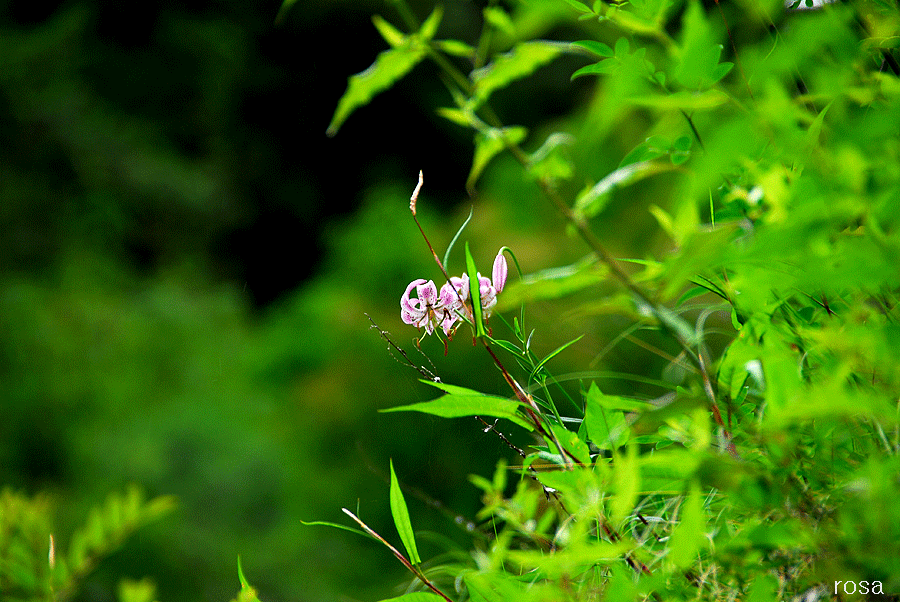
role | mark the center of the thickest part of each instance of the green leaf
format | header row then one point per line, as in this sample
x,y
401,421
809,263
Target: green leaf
x,y
322,523
699,66
389,66
604,418
474,292
571,443
688,536
460,402
455,48
457,116
553,354
490,143
579,6
499,19
599,48
401,519
681,101
523,60
653,147
453,242
570,560
393,36
416,597
764,589
626,483
247,593
553,283
594,200
137,591
604,67
430,25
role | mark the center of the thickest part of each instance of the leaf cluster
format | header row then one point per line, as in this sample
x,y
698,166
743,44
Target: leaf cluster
x,y
766,467
37,563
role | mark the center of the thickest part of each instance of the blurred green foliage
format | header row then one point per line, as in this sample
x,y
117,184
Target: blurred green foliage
x,y
754,194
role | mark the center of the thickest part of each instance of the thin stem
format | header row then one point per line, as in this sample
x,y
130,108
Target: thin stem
x,y
415,571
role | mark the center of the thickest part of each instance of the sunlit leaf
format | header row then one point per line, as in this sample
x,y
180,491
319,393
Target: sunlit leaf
x,y
689,534
552,283
461,402
389,66
520,62
594,200
599,48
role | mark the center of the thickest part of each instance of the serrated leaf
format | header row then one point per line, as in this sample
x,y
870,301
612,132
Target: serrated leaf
x,y
523,60
401,519
389,66
489,144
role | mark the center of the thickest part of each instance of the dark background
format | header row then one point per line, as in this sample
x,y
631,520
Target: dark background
x,y
186,261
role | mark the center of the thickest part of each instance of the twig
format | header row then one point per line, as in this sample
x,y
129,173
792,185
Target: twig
x,y
399,555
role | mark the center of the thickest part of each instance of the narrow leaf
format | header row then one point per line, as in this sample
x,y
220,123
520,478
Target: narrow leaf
x,y
401,519
335,525
474,292
458,232
393,36
553,354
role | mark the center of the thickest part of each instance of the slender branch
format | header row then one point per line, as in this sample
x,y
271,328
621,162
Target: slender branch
x,y
415,571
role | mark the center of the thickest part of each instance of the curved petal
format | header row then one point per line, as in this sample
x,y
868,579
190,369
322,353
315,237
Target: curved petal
x,y
428,294
404,300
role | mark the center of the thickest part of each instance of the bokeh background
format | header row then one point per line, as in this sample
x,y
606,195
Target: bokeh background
x,y
187,261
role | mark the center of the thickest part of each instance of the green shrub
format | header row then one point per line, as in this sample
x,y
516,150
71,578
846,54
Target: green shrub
x,y
762,467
